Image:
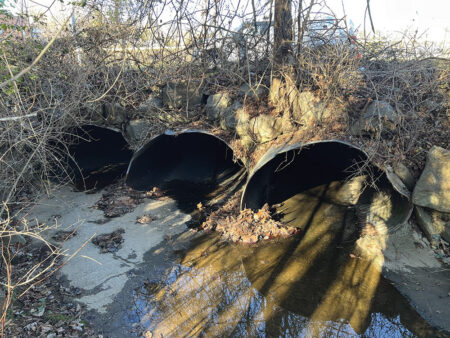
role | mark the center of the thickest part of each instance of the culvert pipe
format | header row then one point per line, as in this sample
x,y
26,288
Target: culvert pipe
x,y
97,156
192,166
295,180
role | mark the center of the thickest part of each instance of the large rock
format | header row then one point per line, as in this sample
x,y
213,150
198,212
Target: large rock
x,y
306,110
152,104
243,128
379,116
257,90
266,127
230,117
405,175
434,224
180,95
433,188
171,117
138,129
114,114
216,105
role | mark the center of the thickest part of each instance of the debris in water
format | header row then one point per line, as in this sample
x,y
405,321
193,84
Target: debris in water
x,y
154,193
246,226
111,242
144,219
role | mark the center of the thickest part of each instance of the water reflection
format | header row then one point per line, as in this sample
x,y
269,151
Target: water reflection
x,y
308,286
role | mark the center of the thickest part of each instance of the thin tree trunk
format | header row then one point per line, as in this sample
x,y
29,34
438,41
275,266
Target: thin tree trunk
x,y
282,34
282,51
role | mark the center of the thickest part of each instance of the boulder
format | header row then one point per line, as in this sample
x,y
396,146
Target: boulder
x,y
171,117
243,128
180,95
379,116
152,104
433,187
216,105
114,114
306,110
266,127
257,90
405,175
137,129
231,115
433,223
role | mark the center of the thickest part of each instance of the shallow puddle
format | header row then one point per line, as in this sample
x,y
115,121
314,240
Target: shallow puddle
x,y
308,286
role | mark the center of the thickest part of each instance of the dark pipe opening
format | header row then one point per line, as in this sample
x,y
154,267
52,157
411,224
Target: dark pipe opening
x,y
192,167
97,156
295,182
325,188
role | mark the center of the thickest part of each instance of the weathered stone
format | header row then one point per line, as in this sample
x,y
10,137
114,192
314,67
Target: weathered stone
x,y
434,224
257,90
243,128
114,114
405,175
179,95
379,116
230,117
266,127
152,104
306,110
433,188
216,105
137,129
171,117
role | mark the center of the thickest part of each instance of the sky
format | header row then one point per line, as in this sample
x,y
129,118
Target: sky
x,y
431,18
393,17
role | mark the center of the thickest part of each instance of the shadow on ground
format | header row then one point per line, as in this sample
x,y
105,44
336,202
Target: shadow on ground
x,y
307,286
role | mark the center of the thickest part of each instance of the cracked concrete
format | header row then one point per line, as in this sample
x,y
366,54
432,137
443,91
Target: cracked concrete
x,y
107,281
101,276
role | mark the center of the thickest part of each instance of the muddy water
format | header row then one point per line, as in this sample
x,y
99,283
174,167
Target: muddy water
x,y
308,286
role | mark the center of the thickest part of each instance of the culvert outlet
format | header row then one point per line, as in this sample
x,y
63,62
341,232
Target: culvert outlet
x,y
192,166
297,180
97,156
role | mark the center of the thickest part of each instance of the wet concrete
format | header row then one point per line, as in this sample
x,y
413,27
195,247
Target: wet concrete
x,y
172,281
101,276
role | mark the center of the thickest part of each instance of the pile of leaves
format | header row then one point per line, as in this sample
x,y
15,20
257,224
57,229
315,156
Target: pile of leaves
x,y
111,242
246,226
144,219
119,199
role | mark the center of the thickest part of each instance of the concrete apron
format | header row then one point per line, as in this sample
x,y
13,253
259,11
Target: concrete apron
x,y
102,276
107,280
